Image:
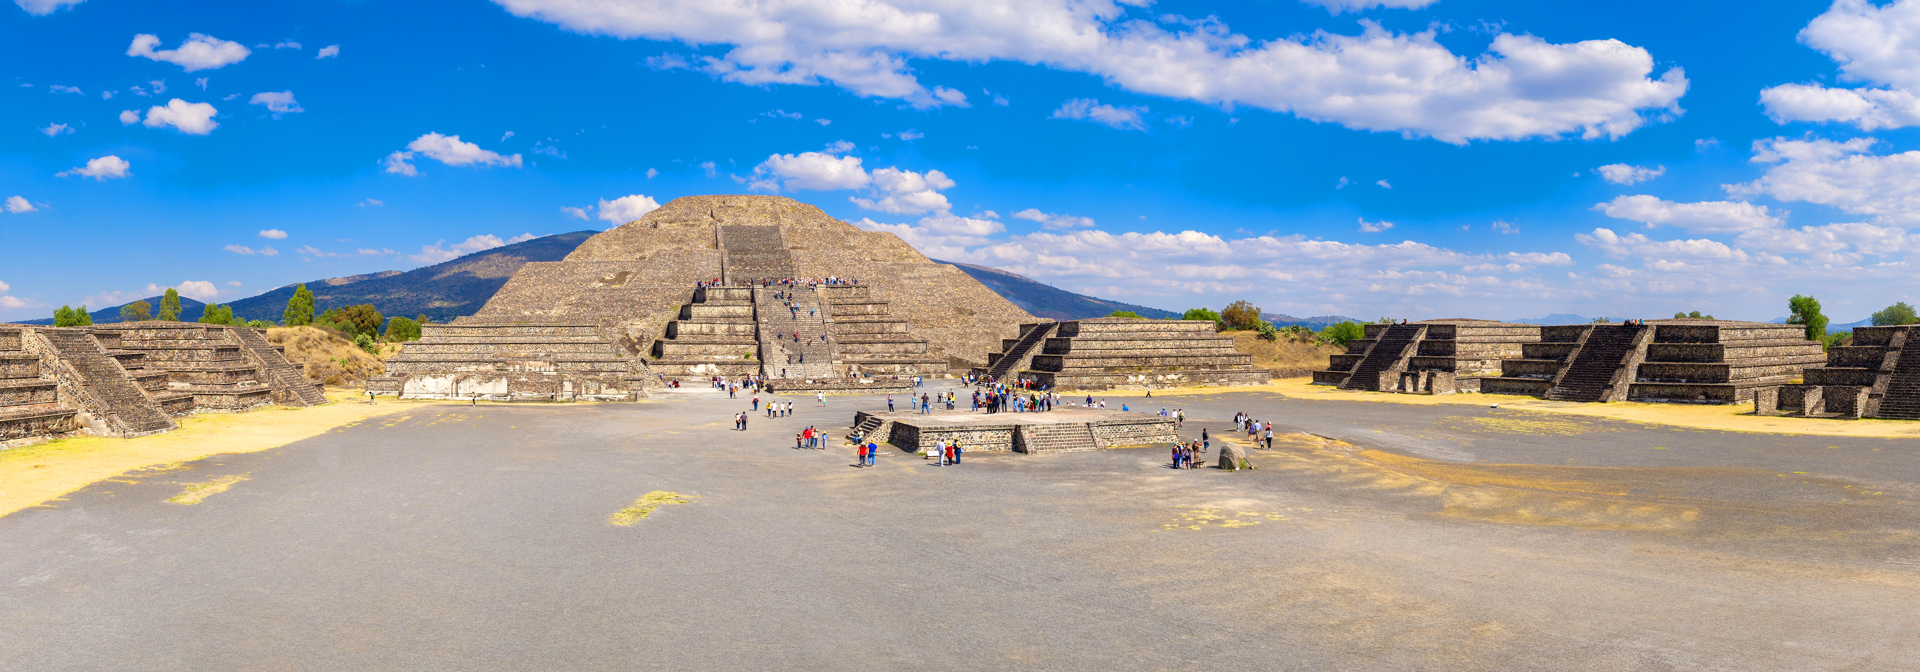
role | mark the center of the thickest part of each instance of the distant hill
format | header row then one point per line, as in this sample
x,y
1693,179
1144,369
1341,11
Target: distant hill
x,y
189,312
1044,300
1556,318
1315,323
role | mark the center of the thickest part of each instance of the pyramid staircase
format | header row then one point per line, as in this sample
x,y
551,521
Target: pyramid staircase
x,y
503,357
755,255
103,386
1385,358
1902,397
1016,354
1065,437
1115,352
288,381
714,334
29,401
1594,370
794,333
200,360
869,339
1872,377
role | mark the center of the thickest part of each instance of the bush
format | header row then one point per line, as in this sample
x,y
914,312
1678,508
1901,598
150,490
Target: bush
x,y
1268,332
1241,315
365,342
138,311
68,317
217,314
1837,338
1806,310
1126,313
1343,333
1895,315
260,324
1695,315
401,329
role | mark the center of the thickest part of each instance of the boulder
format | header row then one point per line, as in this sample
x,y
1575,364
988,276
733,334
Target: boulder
x,y
1230,455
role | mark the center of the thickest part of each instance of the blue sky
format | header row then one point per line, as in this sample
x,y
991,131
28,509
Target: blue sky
x,y
1406,158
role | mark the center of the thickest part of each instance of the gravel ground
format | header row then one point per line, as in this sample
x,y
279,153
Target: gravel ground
x,y
1375,537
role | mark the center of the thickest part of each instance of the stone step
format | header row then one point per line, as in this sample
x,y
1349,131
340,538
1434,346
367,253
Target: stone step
x,y
39,420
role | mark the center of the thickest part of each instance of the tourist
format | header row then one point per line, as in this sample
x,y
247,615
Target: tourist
x,y
820,396
926,405
889,403
957,452
798,441
756,402
1269,437
1175,455
860,455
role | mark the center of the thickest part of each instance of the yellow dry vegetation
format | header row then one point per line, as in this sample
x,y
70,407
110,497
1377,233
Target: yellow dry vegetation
x,y
645,505
1285,354
330,359
36,474
196,492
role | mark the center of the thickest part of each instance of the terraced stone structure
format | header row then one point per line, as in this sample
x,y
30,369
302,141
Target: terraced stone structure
x,y
1120,352
131,380
1678,360
1432,356
1062,430
626,310
1872,377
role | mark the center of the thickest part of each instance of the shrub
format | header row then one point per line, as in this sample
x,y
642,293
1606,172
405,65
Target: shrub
x,y
1806,310
365,342
67,317
401,329
217,314
1343,333
1241,315
1895,315
1126,313
1695,315
260,324
138,311
1201,314
1268,332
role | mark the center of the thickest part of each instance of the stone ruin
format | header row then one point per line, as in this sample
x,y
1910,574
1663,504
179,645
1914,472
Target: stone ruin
x,y
624,312
133,379
1120,352
1677,360
1061,430
1870,378
1432,357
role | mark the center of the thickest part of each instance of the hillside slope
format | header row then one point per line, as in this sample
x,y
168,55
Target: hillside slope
x,y
1044,300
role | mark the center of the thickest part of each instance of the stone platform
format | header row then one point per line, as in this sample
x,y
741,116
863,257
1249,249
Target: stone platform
x,y
1063,430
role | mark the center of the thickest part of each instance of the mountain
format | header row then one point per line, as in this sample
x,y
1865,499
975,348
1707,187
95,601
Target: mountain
x,y
1831,326
1045,300
1315,323
1556,318
189,312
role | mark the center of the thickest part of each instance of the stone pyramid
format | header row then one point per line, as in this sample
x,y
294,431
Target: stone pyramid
x,y
615,297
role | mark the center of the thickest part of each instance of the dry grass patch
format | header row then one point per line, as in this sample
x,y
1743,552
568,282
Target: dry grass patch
x,y
330,359
646,505
196,492
1285,354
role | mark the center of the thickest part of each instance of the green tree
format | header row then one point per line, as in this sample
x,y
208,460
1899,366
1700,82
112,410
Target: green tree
x,y
364,317
85,318
1806,310
366,343
258,324
138,311
299,308
401,329
1240,315
63,317
1895,315
170,306
1117,313
1343,333
1602,320
217,314
1201,314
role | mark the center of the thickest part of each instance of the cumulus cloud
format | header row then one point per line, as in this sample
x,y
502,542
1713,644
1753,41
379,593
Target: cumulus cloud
x,y
18,205
1374,227
904,192
287,44
447,149
1383,184
61,88
1839,174
370,203
107,167
188,118
888,189
440,252
56,130
1089,109
129,117
1050,220
329,51
626,208
815,171
274,234
1377,80
200,290
577,213
1623,174
43,8
199,52
1877,45
277,102
1703,217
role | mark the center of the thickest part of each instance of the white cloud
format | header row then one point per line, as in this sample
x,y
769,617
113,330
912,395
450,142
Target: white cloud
x,y
434,254
277,102
710,169
651,173
1703,217
370,203
61,88
1638,244
106,95
18,205
233,283
626,208
242,249
287,44
159,86
202,82
1541,258
107,167
329,51
909,135
56,130
816,171
1338,6
1383,184
200,290
129,117
1623,174
397,163
1089,109
1878,45
188,118
1377,80
823,122
44,7
1504,227
504,136
1839,174
274,234
199,52
904,192
1049,220
1374,227
578,213
447,149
